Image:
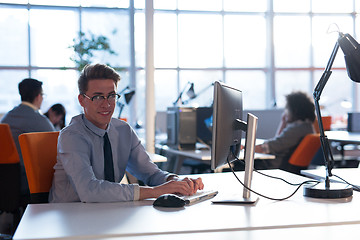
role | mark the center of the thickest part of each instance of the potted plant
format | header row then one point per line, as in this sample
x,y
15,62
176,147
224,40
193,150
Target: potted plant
x,y
86,45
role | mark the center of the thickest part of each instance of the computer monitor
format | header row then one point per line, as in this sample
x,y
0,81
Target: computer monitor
x,y
227,131
227,110
204,124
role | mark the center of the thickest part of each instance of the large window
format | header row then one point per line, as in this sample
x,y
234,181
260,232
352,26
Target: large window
x,y
37,44
266,48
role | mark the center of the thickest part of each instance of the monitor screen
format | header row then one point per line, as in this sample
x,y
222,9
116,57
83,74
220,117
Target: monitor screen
x,y
204,124
226,138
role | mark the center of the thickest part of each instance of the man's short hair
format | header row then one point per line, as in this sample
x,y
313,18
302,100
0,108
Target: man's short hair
x,y
96,72
29,89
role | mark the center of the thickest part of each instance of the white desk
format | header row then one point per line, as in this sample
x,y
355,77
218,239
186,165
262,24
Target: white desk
x,y
157,158
200,155
327,232
351,175
343,138
140,220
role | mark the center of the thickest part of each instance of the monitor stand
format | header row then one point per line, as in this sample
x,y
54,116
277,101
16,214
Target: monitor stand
x,y
249,164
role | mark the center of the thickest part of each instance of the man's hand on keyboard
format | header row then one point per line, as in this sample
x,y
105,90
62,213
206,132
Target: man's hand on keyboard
x,y
195,184
175,185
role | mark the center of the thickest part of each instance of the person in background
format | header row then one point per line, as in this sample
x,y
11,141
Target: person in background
x,y
95,149
26,118
56,115
296,122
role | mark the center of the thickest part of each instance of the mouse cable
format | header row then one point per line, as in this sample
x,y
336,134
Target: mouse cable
x,y
278,178
264,196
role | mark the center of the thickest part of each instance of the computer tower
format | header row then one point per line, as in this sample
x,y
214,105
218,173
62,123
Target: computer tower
x,y
353,122
181,127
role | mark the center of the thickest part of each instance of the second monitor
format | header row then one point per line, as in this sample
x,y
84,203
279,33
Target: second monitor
x,y
227,131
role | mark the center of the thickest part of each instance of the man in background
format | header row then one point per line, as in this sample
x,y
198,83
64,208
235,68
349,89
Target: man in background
x,y
26,118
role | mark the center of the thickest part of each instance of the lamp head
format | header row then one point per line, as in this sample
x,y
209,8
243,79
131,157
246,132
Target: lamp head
x,y
351,50
191,92
128,96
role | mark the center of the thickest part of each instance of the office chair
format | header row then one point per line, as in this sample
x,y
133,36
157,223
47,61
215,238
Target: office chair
x,y
326,120
39,151
11,200
303,154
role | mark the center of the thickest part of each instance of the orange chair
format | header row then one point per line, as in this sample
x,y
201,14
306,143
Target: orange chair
x,y
39,151
8,153
11,200
305,152
326,120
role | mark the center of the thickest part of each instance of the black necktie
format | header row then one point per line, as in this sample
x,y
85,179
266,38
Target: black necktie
x,y
108,160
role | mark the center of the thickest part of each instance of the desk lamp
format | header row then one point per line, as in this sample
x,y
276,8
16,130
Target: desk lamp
x,y
127,96
190,92
192,95
350,48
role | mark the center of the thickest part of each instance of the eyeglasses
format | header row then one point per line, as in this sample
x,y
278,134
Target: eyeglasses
x,y
97,99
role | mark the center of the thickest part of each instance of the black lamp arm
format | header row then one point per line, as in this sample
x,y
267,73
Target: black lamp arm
x,y
329,160
199,93
127,87
181,93
327,72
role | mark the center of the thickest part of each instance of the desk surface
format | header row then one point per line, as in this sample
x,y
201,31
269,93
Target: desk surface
x,y
351,175
344,137
157,158
205,153
140,220
200,155
326,232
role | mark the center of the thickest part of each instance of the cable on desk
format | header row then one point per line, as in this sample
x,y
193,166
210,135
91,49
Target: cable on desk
x,y
269,176
354,186
261,195
296,184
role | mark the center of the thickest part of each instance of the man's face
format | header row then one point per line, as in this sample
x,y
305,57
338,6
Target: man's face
x,y
38,99
99,113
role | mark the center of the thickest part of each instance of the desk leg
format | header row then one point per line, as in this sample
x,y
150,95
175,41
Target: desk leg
x,y
174,163
342,152
178,164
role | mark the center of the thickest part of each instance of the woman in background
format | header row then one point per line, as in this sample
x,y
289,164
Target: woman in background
x,y
56,115
296,122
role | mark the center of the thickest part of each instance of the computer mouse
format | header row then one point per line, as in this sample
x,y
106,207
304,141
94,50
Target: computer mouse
x,y
169,200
